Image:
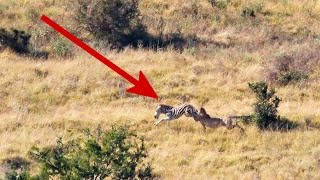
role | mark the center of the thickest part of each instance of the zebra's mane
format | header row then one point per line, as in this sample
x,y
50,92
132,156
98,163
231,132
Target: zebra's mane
x,y
166,106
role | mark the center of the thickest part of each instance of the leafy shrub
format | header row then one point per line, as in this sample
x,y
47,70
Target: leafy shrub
x,y
116,21
60,47
116,154
265,109
266,105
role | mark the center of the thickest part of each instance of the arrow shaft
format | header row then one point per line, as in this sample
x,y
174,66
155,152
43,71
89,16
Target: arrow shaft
x,y
90,50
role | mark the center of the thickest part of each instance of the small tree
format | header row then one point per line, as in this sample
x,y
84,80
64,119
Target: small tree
x,y
266,109
266,106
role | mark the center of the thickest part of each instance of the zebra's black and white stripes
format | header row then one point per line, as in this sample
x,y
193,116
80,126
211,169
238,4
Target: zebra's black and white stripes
x,y
174,112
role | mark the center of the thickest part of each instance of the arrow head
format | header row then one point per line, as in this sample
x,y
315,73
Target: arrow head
x,y
143,87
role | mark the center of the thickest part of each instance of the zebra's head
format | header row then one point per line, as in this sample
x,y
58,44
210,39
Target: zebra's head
x,y
158,111
161,109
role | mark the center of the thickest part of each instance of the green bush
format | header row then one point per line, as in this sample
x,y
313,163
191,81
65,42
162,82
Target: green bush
x,y
61,47
266,109
116,21
266,106
117,154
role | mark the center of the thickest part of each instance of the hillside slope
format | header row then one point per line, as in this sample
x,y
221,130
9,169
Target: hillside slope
x,y
42,100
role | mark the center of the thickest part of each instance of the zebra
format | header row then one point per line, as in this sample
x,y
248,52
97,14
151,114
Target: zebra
x,y
174,112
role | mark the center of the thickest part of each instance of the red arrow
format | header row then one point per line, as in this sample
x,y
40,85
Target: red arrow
x,y
141,86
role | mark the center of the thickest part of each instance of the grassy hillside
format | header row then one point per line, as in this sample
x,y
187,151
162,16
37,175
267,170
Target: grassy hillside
x,y
41,100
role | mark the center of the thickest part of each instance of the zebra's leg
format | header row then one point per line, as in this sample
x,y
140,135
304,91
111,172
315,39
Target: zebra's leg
x,y
204,127
241,128
163,119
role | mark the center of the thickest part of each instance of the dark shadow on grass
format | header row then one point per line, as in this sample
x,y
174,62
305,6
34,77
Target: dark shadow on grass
x,y
280,124
174,40
19,42
142,39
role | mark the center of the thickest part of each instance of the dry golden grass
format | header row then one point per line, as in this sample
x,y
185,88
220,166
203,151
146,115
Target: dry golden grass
x,y
81,93
42,100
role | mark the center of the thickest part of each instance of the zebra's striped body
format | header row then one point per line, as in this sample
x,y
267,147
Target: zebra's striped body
x,y
174,112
